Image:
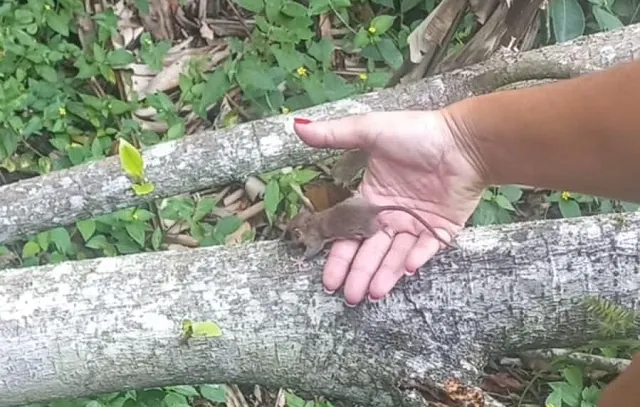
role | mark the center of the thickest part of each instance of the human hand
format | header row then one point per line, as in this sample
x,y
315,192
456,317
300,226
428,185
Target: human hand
x,y
415,160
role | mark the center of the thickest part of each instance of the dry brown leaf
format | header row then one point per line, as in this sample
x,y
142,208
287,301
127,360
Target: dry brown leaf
x,y
128,26
251,211
176,62
206,32
434,29
182,240
501,383
323,194
160,19
254,187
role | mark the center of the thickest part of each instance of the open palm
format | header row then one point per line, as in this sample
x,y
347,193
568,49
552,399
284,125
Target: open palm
x,y
414,161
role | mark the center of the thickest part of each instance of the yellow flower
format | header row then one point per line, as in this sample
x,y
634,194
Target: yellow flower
x,y
302,71
47,7
566,195
363,76
62,111
372,29
284,109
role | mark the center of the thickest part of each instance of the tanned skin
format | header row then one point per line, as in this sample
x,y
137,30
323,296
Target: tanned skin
x,y
581,135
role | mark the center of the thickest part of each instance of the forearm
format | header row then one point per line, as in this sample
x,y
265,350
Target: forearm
x,y
581,134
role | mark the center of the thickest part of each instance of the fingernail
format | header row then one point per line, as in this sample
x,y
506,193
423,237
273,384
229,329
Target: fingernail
x,y
348,304
300,120
326,290
372,299
409,272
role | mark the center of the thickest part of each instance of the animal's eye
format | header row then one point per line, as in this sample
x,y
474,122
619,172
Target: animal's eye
x,y
297,234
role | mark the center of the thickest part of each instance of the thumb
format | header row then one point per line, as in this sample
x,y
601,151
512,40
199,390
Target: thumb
x,y
357,131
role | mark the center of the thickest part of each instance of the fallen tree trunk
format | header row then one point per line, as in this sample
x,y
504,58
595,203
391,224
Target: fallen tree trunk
x,y
107,324
216,158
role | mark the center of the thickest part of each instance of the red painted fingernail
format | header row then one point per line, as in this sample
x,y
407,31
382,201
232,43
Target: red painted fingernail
x,y
300,120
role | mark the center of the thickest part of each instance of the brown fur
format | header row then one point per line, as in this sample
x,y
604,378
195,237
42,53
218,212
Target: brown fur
x,y
353,218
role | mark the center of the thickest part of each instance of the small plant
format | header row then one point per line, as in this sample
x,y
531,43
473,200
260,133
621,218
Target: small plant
x,y
572,392
496,205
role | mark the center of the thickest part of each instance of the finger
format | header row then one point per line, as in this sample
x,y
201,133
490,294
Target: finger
x,y
338,262
356,131
392,268
425,248
364,266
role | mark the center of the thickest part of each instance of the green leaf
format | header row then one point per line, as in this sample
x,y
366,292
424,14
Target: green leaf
x,y
86,228
136,231
255,6
251,74
503,202
216,86
336,87
382,23
118,107
293,9
175,400
94,403
272,197
553,400
30,249
304,175
629,206
319,6
97,242
120,57
206,329
142,6
573,375
567,18
75,154
156,238
130,159
23,15
568,393
590,394
606,20
511,192
485,214
390,53
287,56
361,38
44,239
203,208
47,73
60,237
322,51
185,390
569,208
176,131
226,226
59,23
213,392
406,5
143,189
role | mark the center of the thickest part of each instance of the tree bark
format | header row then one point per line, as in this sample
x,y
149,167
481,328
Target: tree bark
x,y
215,158
102,325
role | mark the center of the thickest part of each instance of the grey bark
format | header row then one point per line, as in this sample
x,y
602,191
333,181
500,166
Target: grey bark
x,y
214,158
102,325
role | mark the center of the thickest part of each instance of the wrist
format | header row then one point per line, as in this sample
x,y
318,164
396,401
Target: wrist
x,y
459,120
